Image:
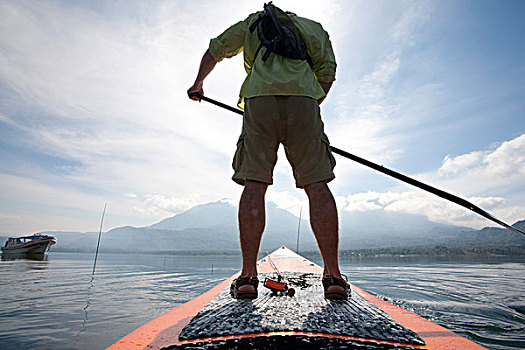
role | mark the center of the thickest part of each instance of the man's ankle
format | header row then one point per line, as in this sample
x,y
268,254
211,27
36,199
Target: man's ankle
x,y
336,274
246,274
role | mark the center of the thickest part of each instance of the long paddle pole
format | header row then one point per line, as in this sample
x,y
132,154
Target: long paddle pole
x,y
98,242
299,230
455,199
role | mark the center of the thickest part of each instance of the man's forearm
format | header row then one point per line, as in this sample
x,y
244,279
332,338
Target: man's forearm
x,y
206,66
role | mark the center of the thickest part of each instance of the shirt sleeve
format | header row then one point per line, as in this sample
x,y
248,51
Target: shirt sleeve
x,y
324,61
229,43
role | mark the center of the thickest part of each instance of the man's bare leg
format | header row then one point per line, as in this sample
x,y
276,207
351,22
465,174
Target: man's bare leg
x,y
323,219
252,219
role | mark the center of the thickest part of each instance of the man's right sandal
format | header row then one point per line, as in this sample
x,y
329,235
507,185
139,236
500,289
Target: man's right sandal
x,y
243,281
329,281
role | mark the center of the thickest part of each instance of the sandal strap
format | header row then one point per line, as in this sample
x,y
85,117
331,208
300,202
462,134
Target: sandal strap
x,y
332,281
242,281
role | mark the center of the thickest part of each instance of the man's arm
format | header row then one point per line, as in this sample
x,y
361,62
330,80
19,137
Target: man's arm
x,y
326,87
207,65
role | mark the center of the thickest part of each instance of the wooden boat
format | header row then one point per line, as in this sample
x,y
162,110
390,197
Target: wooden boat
x,y
305,320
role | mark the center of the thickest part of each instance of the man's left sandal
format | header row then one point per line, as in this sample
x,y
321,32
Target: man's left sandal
x,y
329,281
243,281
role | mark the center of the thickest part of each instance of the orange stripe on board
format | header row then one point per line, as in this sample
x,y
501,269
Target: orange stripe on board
x,y
308,334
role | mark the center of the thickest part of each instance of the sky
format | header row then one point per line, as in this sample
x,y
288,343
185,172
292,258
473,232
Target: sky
x,y
93,109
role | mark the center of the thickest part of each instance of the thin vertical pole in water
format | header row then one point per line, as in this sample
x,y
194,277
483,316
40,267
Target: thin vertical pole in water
x,y
299,230
98,243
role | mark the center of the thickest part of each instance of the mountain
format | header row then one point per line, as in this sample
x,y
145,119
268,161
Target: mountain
x,y
494,235
209,215
222,215
210,226
213,227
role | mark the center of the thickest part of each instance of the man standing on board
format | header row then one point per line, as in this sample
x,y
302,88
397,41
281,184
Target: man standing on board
x,y
291,67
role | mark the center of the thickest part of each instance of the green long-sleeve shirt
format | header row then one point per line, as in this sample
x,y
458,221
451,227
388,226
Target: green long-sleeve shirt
x,y
278,75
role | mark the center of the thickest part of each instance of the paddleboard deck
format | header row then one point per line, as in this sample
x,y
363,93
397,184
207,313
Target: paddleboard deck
x,y
306,320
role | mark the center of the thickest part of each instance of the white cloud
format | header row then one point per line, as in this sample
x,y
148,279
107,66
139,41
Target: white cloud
x,y
421,203
489,203
508,159
460,163
290,201
231,201
361,202
160,205
487,170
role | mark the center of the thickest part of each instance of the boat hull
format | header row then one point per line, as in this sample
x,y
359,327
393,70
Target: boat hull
x,y
41,246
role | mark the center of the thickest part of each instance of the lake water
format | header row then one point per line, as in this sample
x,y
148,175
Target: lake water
x,y
52,304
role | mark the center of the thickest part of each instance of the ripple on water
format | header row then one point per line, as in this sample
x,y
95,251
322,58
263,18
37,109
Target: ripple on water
x,y
483,302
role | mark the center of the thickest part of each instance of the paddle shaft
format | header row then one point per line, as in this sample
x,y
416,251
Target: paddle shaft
x,y
98,242
460,201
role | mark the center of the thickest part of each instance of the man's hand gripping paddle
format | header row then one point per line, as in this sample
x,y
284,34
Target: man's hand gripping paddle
x,y
460,201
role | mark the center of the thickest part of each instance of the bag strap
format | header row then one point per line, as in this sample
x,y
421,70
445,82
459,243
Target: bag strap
x,y
270,10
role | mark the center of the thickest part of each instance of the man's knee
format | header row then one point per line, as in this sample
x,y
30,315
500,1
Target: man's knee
x,y
316,188
255,187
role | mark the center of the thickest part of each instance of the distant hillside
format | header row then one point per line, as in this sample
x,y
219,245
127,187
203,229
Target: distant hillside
x,y
493,235
209,215
485,243
213,226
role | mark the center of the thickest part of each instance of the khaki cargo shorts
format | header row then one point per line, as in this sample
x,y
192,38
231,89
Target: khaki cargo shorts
x,y
294,121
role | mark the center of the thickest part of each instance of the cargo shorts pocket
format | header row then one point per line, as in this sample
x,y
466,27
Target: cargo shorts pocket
x,y
324,139
239,156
